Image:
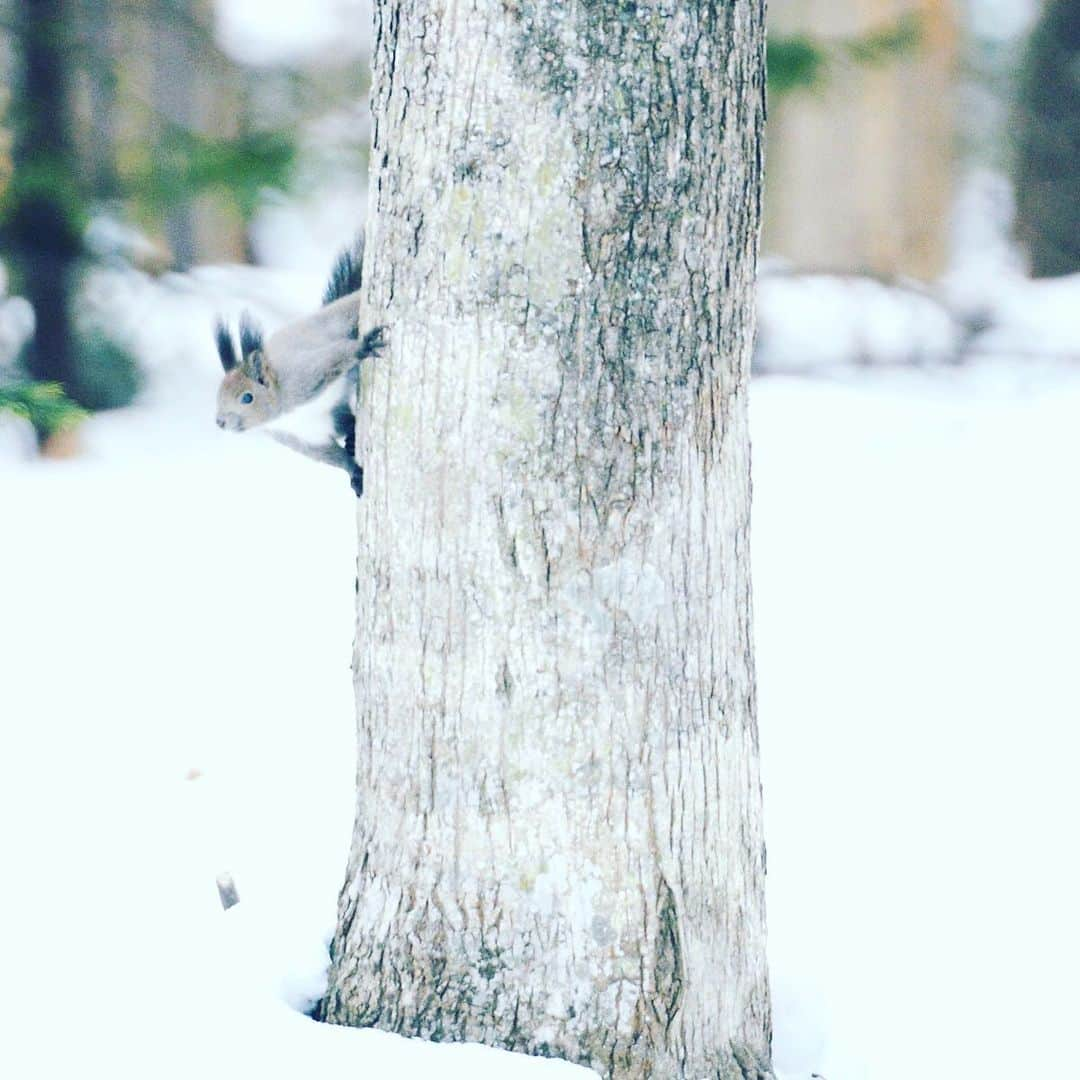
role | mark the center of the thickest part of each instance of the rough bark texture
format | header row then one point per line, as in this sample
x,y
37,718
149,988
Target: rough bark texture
x,y
558,843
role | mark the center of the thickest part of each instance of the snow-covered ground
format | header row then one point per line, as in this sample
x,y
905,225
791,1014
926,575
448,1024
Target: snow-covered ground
x,y
175,638
916,594
175,633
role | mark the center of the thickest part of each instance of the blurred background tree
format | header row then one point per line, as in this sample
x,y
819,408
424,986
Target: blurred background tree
x,y
43,212
1047,163
161,133
860,135
127,117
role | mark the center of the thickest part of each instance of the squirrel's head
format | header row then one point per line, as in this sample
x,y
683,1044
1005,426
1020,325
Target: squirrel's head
x,y
248,395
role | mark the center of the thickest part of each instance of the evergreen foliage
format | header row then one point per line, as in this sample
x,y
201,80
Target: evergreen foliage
x,y
181,164
805,62
43,404
885,44
794,62
106,374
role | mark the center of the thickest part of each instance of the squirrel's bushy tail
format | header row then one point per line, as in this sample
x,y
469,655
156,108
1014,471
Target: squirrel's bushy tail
x,y
346,277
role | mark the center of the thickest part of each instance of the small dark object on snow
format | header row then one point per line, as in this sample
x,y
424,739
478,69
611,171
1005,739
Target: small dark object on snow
x,y
227,893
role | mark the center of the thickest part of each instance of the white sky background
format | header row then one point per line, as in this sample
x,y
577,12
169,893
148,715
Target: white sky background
x,y
281,31
268,31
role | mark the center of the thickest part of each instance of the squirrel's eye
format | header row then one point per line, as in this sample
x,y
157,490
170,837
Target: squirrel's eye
x,y
246,399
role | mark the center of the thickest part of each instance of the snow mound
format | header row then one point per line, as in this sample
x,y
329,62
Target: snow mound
x,y
16,327
1035,320
817,322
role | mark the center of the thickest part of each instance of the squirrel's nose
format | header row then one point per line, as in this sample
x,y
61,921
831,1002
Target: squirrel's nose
x,y
221,422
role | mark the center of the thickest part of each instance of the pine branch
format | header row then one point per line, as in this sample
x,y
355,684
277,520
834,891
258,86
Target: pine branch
x,y
44,404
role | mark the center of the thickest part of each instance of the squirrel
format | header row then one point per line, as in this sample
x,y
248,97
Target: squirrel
x,y
314,360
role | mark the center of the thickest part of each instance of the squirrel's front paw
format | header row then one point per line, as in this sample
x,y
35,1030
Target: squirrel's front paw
x,y
356,479
372,343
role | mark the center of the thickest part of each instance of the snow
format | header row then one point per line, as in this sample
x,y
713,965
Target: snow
x,y
16,326
916,594
813,322
175,634
1000,20
983,308
1037,320
302,231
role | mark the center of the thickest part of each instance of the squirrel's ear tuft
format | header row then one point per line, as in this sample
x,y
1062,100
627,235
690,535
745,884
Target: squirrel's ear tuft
x,y
251,336
224,342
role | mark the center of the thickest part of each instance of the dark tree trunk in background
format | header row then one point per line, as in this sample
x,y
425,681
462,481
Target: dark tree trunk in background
x,y
1048,143
558,842
41,228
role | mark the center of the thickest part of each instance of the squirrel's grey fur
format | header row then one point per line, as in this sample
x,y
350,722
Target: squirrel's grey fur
x,y
314,356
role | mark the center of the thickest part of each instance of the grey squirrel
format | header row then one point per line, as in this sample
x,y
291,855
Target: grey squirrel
x,y
314,359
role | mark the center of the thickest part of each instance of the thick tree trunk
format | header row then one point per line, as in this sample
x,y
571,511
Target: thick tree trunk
x,y
558,844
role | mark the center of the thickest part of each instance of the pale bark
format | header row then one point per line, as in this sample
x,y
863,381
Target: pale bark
x,y
558,844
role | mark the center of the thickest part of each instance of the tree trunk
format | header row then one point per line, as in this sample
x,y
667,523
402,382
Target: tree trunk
x,y
1046,159
558,843
40,229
